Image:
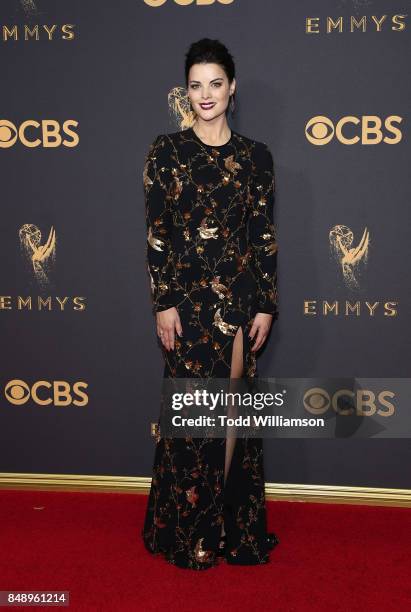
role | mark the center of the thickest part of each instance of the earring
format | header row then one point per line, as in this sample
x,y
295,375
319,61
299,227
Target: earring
x,y
232,103
192,111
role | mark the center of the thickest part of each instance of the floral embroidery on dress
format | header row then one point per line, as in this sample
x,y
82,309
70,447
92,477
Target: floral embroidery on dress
x,y
212,254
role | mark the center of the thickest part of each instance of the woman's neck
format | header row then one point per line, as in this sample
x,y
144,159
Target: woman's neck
x,y
212,134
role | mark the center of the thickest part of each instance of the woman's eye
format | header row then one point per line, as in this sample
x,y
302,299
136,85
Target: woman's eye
x,y
195,85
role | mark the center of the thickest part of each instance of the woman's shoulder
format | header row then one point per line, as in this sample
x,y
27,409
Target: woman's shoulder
x,y
260,151
258,147
170,137
160,148
167,142
159,140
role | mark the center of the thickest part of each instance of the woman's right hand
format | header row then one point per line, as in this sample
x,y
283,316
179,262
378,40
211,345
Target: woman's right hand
x,y
168,322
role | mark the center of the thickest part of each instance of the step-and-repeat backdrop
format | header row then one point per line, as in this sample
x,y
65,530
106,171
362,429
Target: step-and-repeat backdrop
x,y
86,88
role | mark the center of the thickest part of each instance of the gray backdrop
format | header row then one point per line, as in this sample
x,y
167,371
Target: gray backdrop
x,y
111,75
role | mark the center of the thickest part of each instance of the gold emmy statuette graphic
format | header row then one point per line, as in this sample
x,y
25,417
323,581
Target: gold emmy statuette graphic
x,y
28,6
349,257
41,256
180,108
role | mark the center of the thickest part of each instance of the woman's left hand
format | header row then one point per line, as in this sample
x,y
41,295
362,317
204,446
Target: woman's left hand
x,y
261,325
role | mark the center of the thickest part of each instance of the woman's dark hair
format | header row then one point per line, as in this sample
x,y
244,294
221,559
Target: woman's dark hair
x,y
209,51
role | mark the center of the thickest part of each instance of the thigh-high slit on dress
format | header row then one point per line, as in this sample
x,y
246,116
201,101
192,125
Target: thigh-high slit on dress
x,y
211,254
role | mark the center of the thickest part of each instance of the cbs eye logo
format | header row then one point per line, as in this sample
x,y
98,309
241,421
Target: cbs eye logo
x,y
345,402
157,3
31,133
44,393
369,130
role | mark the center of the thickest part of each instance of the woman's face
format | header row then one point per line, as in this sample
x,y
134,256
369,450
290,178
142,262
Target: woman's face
x,y
209,90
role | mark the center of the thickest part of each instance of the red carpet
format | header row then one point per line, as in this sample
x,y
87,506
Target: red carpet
x,y
330,557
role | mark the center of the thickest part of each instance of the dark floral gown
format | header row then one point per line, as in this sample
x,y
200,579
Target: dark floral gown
x,y
211,253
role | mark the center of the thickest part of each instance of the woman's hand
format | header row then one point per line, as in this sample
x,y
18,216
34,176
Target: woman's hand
x,y
261,325
168,321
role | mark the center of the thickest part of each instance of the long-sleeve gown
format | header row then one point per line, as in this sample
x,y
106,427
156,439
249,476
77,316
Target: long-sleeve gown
x,y
211,253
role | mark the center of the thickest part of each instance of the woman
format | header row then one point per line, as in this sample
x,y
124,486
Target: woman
x,y
211,252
